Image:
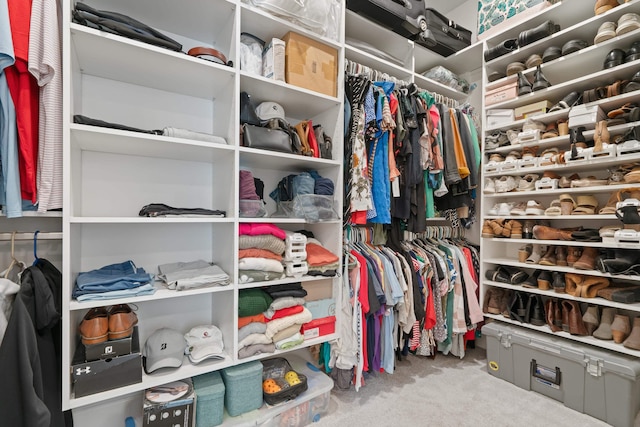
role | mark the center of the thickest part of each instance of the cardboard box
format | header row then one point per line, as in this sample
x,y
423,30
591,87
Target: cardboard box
x,y
319,327
310,64
106,374
501,93
109,349
532,110
273,60
170,405
322,307
499,117
587,116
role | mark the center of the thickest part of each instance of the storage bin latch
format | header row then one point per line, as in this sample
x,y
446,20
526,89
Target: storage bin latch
x,y
594,366
505,340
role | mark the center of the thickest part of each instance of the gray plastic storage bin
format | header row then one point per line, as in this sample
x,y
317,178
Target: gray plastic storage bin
x,y
243,387
210,394
603,384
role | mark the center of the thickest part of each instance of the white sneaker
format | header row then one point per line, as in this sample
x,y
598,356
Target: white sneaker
x,y
505,209
489,186
494,210
528,182
512,134
534,208
519,209
505,184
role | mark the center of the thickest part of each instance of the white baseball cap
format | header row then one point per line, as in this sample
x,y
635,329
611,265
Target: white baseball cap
x,y
270,110
204,342
163,349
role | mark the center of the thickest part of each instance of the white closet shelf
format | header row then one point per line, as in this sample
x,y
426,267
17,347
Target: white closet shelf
x,y
577,190
298,102
434,86
284,281
579,84
559,217
118,58
365,58
515,263
146,220
267,26
161,293
272,220
551,293
305,344
116,141
610,345
565,243
578,166
265,159
463,61
576,22
157,378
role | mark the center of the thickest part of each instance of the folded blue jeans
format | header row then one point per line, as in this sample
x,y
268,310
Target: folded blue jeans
x,y
112,277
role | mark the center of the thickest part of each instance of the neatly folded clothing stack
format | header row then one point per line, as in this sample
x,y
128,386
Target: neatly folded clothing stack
x,y
321,261
260,256
252,303
284,318
113,281
192,275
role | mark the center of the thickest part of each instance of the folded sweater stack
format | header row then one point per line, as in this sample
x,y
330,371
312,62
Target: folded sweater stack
x,y
321,262
260,255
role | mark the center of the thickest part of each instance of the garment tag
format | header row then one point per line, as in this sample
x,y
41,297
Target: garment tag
x,y
395,187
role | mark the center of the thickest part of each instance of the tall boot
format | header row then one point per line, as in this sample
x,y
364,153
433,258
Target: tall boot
x,y
576,325
604,330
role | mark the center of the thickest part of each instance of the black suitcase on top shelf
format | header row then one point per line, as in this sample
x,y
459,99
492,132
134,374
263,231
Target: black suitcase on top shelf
x,y
413,20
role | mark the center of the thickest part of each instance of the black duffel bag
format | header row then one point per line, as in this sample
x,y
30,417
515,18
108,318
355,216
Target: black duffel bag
x,y
442,35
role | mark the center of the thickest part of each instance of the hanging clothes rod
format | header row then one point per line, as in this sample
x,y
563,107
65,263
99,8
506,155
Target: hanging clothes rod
x,y
42,235
373,74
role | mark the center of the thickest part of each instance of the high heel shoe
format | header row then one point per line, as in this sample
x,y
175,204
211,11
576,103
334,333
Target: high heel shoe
x,y
601,136
524,87
539,80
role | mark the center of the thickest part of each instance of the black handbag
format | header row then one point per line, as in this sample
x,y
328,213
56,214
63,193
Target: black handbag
x,y
443,36
266,138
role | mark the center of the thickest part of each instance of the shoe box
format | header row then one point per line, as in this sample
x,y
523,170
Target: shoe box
x,y
108,349
583,115
532,110
170,405
319,327
500,116
101,374
504,92
605,385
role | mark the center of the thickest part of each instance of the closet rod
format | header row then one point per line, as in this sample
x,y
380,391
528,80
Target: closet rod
x,y
369,72
42,235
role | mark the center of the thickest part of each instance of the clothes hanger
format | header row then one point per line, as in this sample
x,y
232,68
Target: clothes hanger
x,y
35,247
14,261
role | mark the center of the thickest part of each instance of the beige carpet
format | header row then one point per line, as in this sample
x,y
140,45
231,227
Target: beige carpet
x,y
447,391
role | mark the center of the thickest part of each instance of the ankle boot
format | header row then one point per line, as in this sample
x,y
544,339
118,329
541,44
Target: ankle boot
x,y
576,325
539,80
573,254
633,340
524,87
517,308
561,256
544,281
516,229
532,280
535,311
587,260
601,136
487,231
524,252
629,216
591,319
620,328
571,282
549,258
604,330
559,282
580,140
492,301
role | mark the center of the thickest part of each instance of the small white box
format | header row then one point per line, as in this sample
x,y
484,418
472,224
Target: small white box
x,y
497,117
581,115
273,60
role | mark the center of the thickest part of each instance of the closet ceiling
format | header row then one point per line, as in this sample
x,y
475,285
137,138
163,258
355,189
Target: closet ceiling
x,y
444,6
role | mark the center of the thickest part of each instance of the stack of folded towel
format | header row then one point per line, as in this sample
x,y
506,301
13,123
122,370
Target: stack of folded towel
x,y
260,255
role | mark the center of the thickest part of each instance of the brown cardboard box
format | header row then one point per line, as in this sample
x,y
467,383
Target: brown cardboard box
x,y
310,64
532,110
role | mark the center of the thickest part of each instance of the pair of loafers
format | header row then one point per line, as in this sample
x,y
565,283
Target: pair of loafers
x,y
618,56
508,275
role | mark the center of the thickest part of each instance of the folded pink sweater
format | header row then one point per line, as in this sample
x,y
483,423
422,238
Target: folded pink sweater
x,y
251,229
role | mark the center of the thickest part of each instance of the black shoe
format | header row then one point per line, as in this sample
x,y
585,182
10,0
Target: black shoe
x,y
532,280
539,80
614,58
570,100
517,307
501,49
535,311
633,54
544,280
559,283
498,275
573,46
551,53
538,33
524,87
516,276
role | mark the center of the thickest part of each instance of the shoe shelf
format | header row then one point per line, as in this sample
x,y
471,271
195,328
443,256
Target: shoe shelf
x,y
576,22
609,345
558,91
564,243
562,269
547,217
552,294
574,190
572,166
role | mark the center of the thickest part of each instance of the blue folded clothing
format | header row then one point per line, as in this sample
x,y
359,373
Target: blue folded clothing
x,y
112,277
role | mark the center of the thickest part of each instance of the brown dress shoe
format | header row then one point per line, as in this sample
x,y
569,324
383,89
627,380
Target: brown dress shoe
x,y
576,325
94,326
587,260
633,340
121,321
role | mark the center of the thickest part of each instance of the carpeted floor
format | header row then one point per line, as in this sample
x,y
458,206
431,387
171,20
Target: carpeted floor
x,y
447,391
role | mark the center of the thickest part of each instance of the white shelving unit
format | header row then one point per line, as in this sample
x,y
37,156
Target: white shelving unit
x,y
111,174
578,71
